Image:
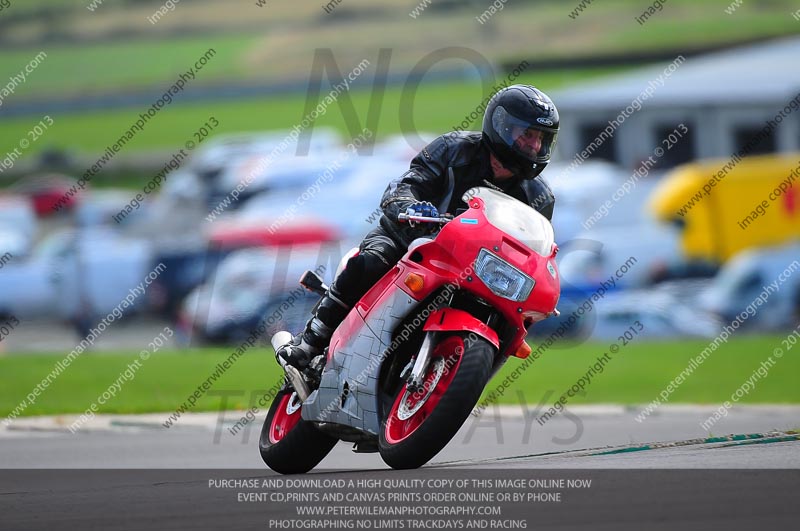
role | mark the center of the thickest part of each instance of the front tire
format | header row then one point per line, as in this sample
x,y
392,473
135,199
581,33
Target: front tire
x,y
420,424
289,444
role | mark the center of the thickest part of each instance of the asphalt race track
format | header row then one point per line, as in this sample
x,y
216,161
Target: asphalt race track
x,y
721,482
508,438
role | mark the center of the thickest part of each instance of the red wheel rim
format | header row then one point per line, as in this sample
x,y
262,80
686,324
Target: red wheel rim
x,y
410,410
287,415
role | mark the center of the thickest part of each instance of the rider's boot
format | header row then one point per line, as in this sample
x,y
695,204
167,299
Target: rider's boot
x,y
305,346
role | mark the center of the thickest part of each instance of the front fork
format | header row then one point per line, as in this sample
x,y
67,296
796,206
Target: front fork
x,y
444,320
414,379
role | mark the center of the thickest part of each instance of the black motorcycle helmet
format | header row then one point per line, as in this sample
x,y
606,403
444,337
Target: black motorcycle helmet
x,y
512,111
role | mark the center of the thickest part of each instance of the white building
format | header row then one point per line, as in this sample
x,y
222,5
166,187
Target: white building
x,y
723,98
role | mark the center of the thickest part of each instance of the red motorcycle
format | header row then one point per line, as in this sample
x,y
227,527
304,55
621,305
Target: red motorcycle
x,y
410,361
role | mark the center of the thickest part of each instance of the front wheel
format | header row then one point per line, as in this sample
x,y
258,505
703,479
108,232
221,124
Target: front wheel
x,y
289,444
421,423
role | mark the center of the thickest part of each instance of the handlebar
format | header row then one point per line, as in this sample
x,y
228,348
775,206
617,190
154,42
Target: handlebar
x,y
405,218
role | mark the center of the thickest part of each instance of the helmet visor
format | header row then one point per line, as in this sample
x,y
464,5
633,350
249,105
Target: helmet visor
x,y
534,141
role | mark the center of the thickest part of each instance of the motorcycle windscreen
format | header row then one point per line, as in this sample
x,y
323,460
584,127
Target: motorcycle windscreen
x,y
515,218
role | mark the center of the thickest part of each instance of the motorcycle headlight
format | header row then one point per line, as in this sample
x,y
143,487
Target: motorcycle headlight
x,y
502,278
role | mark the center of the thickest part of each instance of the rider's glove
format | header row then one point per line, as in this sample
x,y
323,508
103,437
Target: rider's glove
x,y
421,208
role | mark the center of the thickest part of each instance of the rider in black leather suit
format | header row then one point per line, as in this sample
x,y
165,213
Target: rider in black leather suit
x,y
519,132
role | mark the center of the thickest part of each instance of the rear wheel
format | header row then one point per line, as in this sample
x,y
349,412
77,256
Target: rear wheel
x,y
420,423
289,444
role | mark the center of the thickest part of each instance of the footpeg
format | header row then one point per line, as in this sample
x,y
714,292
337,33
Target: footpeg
x,y
366,447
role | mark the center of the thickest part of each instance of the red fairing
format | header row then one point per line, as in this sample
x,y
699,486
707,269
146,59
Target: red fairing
x,y
455,320
355,319
449,260
349,328
378,292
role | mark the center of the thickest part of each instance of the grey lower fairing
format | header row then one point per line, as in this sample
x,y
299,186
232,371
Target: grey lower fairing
x,y
357,363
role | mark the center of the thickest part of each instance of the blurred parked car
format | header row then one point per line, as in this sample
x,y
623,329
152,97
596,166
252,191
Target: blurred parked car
x,y
629,253
345,205
71,272
186,268
18,223
660,313
579,193
247,283
47,191
13,243
667,310
282,174
745,276
98,207
190,266
223,161
398,148
219,152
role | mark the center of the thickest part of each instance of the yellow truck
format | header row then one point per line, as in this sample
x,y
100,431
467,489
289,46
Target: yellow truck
x,y
724,206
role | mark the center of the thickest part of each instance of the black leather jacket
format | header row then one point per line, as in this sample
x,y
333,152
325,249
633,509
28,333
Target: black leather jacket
x,y
442,172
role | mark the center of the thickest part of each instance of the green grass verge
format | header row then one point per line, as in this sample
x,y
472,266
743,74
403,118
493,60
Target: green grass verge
x,y
123,66
635,375
436,108
641,370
